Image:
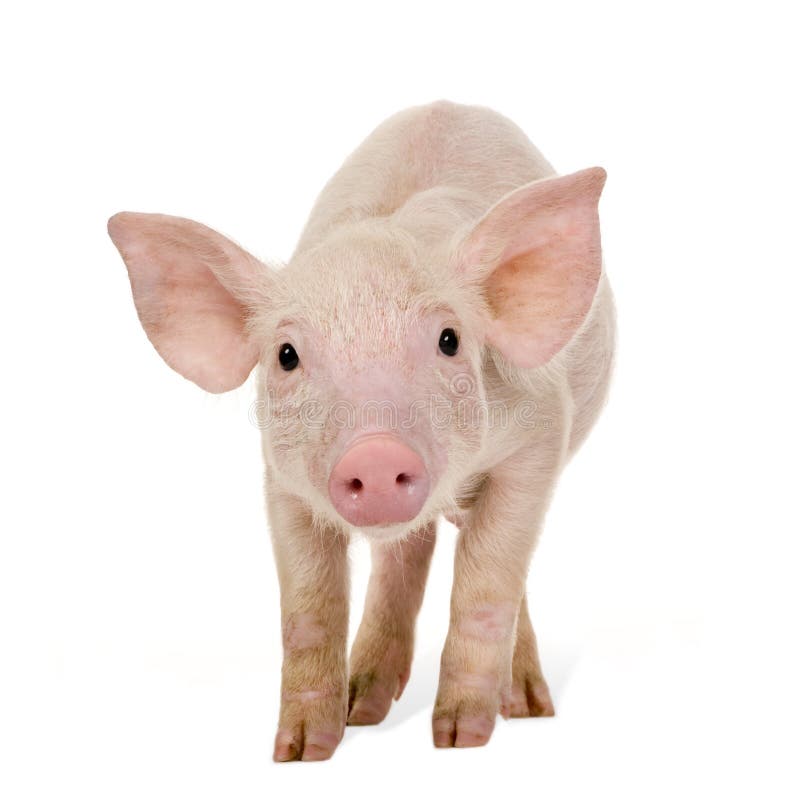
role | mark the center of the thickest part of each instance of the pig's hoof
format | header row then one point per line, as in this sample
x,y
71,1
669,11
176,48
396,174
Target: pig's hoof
x,y
300,746
310,728
378,676
530,697
371,696
461,730
464,717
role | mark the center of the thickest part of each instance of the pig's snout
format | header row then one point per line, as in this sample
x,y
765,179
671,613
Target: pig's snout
x,y
379,481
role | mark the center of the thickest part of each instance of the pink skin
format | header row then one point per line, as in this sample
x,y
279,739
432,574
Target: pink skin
x,y
475,233
314,616
380,662
375,415
378,481
216,354
490,623
303,632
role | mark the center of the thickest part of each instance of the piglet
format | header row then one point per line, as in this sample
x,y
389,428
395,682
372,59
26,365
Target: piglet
x,y
439,344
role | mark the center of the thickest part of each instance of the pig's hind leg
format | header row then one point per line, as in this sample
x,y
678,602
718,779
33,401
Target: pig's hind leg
x,y
530,696
380,662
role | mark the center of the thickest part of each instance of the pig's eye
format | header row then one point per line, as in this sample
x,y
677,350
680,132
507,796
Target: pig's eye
x,y
448,342
287,357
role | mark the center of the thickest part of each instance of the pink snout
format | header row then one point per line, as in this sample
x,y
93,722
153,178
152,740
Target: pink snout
x,y
379,481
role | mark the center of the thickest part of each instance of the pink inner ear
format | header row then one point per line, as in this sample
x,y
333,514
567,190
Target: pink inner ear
x,y
195,323
547,235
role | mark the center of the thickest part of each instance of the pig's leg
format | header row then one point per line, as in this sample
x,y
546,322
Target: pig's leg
x,y
312,570
492,556
530,696
380,662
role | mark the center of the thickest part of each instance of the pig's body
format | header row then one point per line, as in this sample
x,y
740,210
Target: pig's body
x,y
443,262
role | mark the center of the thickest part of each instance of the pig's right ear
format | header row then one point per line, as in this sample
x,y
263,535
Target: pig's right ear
x,y
191,287
536,253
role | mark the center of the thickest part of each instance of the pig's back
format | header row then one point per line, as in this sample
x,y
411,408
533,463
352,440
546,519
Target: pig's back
x,y
467,154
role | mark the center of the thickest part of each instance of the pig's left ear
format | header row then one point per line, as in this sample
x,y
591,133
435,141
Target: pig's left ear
x,y
193,289
537,252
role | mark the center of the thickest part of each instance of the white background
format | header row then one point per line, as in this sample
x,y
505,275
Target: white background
x,y
139,631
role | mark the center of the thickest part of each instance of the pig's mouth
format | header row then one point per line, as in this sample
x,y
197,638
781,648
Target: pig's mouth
x,y
379,482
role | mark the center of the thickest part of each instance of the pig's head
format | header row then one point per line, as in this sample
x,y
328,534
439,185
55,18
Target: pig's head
x,y
373,359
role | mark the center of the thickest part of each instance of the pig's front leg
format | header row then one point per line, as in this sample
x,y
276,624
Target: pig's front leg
x,y
492,557
380,662
312,570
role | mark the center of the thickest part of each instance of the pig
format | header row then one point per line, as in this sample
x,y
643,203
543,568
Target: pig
x,y
438,345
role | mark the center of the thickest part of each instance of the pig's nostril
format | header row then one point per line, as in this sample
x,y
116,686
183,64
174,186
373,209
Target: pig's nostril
x,y
378,481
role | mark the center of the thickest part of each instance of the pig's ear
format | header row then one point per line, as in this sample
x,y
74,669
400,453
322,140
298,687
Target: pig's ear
x,y
191,288
537,252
